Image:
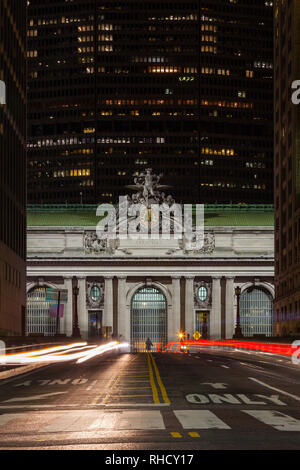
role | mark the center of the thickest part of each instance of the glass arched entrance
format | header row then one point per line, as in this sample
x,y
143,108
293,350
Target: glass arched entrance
x,y
149,319
256,311
39,320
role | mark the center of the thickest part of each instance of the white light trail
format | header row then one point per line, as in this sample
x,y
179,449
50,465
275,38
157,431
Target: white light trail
x,y
101,350
66,353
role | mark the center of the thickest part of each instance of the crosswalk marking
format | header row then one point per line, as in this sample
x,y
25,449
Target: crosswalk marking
x,y
129,420
66,422
277,420
139,420
104,421
199,419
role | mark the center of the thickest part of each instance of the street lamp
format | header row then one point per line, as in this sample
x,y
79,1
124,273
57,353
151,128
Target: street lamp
x,y
238,331
76,330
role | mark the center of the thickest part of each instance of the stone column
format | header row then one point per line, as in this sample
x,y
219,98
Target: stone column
x,y
83,317
215,315
108,303
230,317
189,306
123,320
67,327
174,328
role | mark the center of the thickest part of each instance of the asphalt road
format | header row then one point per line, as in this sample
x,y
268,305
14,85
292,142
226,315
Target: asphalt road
x,y
213,399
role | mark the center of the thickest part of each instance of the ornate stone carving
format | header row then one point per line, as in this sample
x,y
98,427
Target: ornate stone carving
x,y
148,187
90,302
158,214
202,303
94,245
209,245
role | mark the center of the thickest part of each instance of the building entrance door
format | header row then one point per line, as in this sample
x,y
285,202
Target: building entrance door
x,y
95,324
149,319
202,323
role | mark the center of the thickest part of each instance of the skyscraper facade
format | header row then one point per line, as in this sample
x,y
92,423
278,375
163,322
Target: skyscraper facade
x,y
183,87
12,166
287,168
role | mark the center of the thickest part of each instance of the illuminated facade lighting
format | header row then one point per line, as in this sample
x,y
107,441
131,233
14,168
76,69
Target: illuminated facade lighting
x,y
118,81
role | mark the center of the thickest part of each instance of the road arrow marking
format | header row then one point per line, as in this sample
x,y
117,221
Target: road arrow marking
x,y
24,384
36,397
295,397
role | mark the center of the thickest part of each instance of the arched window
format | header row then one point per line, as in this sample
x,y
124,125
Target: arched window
x,y
202,293
39,320
95,293
256,312
149,318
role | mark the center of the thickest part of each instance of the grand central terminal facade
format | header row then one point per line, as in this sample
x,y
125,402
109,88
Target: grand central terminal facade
x,y
155,288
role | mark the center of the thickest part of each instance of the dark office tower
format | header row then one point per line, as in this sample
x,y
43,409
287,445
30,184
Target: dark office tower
x,y
287,168
183,87
12,165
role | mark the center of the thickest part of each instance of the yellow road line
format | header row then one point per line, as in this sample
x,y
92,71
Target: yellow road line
x,y
159,381
129,396
135,381
135,388
136,376
153,386
176,435
194,434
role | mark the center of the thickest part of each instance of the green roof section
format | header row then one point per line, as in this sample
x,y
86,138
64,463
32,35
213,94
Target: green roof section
x,y
216,215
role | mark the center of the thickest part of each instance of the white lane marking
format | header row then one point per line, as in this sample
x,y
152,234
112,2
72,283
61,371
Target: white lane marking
x,y
197,398
138,405
272,399
248,401
43,383
225,367
132,420
59,382
227,398
24,384
36,397
67,422
4,419
199,419
24,374
141,420
80,381
276,389
277,420
104,421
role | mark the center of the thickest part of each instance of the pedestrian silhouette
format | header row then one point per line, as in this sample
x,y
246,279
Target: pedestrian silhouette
x,y
148,344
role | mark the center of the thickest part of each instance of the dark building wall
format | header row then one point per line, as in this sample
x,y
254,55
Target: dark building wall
x,y
183,87
12,165
287,169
